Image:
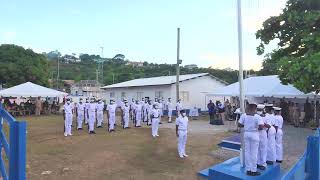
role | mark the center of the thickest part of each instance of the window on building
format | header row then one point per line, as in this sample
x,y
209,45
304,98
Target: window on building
x,y
139,95
184,95
112,94
159,94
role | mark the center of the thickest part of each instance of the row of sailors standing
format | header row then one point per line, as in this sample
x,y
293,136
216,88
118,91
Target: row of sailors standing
x,y
262,137
92,113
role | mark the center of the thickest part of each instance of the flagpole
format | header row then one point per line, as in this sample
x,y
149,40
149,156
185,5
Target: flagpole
x,y
241,93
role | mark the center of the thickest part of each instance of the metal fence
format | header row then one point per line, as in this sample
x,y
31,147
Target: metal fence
x,y
13,152
308,166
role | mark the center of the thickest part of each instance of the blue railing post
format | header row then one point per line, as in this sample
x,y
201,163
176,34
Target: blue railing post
x,y
17,161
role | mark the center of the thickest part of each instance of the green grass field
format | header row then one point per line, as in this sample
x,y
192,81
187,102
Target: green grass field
x,y
125,154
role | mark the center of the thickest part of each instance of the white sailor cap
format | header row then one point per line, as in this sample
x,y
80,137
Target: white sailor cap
x,y
261,106
268,105
277,108
237,111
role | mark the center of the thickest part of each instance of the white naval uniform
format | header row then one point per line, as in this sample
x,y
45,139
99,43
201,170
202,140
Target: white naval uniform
x,y
92,107
155,114
170,109
68,118
182,123
80,112
125,111
112,115
271,150
149,111
100,107
279,134
138,113
179,107
251,140
86,117
263,142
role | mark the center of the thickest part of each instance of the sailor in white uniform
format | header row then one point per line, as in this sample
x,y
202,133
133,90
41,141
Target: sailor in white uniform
x,y
111,108
100,107
279,134
251,123
170,109
179,107
138,113
125,113
67,116
271,149
263,139
86,117
155,114
91,111
181,132
149,111
160,107
80,108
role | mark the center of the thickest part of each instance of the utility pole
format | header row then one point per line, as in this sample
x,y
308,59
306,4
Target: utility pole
x,y
58,74
241,88
112,78
178,65
101,73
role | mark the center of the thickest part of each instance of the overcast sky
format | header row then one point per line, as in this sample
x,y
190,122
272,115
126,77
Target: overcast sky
x,y
142,30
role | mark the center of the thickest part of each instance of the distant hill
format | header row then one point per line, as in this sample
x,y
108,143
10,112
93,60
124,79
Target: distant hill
x,y
122,70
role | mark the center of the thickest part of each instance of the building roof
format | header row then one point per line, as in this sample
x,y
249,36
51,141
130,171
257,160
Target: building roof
x,y
260,86
161,80
30,89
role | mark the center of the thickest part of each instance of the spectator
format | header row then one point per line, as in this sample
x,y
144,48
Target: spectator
x,y
211,109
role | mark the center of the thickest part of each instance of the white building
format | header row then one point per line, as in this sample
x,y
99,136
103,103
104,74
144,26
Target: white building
x,y
193,88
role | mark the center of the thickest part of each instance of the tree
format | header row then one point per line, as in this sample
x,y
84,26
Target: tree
x,y
53,55
297,59
119,57
19,65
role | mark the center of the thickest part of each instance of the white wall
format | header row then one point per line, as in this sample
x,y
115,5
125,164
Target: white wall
x,y
131,92
197,88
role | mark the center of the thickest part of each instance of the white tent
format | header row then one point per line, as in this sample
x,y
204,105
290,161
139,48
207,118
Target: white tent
x,y
29,89
261,86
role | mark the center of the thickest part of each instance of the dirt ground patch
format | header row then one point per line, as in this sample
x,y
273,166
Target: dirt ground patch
x,y
125,154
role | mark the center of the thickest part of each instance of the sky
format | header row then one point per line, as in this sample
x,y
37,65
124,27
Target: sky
x,y
142,30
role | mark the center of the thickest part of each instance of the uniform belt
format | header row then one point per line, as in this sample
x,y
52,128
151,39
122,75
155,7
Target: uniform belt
x,y
182,129
251,131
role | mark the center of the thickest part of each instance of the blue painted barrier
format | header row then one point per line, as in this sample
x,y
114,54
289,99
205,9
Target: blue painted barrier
x,y
16,150
307,167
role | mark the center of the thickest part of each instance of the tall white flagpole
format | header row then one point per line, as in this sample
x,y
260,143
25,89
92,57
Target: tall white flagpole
x,y
241,93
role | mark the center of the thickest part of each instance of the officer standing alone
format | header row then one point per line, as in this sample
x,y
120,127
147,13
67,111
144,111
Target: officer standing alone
x,y
181,132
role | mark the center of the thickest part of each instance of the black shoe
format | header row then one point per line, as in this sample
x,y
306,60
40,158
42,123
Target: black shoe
x,y
170,122
93,132
261,167
90,132
79,129
249,173
255,174
278,161
99,126
269,162
160,122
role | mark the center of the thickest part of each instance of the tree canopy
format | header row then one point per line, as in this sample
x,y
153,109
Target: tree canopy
x,y
19,65
297,58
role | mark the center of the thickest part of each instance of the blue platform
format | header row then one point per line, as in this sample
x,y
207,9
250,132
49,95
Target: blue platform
x,y
231,143
232,170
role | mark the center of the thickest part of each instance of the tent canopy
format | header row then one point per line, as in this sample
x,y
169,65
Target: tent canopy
x,y
30,89
261,86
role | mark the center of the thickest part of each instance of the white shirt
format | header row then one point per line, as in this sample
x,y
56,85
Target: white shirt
x,y
68,108
251,123
160,105
138,107
80,107
125,109
179,106
279,121
86,105
270,119
182,123
100,106
112,108
92,107
155,113
170,106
